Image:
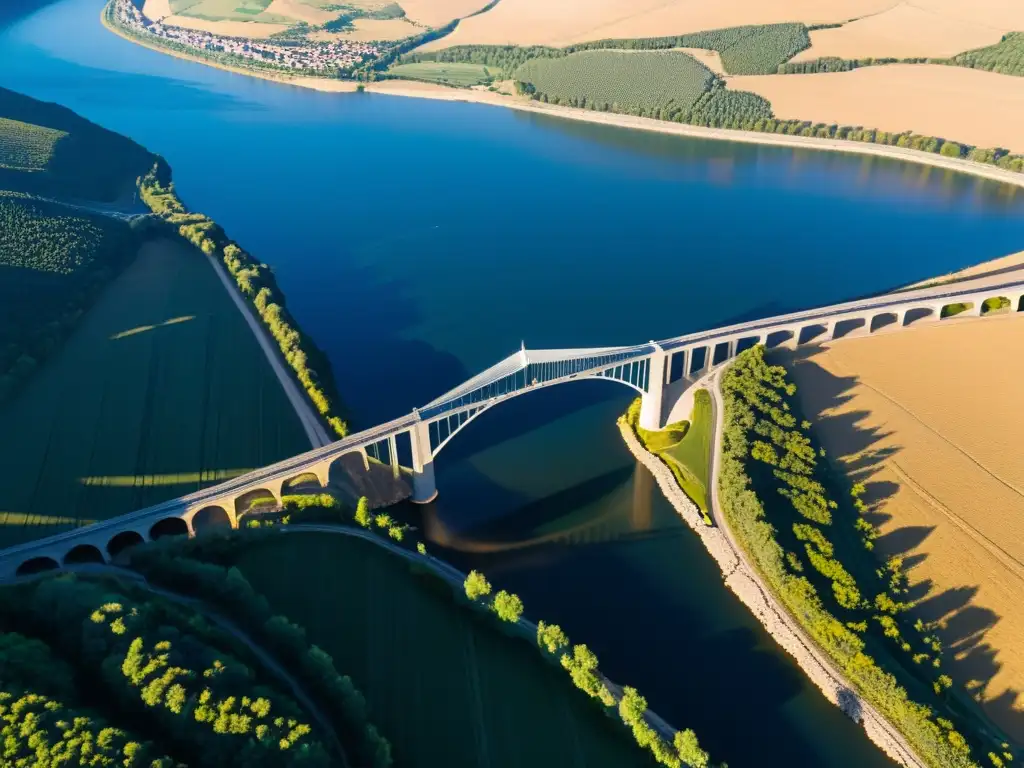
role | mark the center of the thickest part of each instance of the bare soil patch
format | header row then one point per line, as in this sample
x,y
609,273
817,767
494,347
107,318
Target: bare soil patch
x,y
1011,263
902,32
710,59
930,420
981,108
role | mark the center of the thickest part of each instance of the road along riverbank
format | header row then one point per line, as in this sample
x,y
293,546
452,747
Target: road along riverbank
x,y
742,578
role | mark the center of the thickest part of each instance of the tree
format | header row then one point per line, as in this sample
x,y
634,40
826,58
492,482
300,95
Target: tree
x,y
363,512
508,606
551,637
421,547
689,749
476,585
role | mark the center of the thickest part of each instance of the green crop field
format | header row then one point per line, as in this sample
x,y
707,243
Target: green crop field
x,y
161,389
644,81
26,147
82,160
449,74
443,687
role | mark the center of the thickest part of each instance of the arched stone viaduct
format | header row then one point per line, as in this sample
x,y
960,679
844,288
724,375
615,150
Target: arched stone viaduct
x,y
659,371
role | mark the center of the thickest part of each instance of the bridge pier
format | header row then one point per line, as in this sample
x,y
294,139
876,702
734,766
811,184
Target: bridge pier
x,y
424,486
651,401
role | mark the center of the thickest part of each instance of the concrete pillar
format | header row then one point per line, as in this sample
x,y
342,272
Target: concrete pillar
x,y
651,401
731,353
901,317
424,487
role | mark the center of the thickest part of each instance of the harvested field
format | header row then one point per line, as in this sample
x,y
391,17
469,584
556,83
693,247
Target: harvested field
x,y
904,31
437,13
365,30
155,10
710,59
930,420
301,11
160,390
1013,262
445,688
989,107
251,29
542,22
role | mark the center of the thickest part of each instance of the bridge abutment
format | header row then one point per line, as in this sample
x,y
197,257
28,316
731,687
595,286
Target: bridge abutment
x,y
652,400
424,486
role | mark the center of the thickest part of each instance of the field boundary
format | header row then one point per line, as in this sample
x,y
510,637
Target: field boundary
x,y
447,93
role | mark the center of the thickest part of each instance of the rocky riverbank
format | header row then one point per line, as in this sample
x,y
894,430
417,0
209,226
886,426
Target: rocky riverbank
x,y
747,585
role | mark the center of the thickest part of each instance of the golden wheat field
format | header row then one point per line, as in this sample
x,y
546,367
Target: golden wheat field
x,y
968,105
930,419
904,31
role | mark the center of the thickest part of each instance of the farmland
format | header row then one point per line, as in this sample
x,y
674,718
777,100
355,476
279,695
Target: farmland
x,y
447,74
26,147
78,158
612,80
1006,57
446,689
161,390
53,263
667,85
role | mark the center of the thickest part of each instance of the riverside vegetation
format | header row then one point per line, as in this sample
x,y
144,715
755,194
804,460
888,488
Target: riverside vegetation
x,y
659,87
256,282
806,547
431,606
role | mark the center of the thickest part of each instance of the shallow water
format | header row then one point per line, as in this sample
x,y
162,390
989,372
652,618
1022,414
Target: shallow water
x,y
421,241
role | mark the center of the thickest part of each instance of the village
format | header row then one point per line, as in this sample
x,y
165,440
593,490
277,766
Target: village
x,y
341,56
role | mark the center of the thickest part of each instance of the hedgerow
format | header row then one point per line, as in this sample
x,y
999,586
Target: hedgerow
x,y
764,448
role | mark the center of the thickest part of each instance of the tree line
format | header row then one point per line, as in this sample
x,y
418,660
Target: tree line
x,y
507,608
767,455
257,284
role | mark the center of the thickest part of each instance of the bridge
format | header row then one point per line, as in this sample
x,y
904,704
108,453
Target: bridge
x,y
660,371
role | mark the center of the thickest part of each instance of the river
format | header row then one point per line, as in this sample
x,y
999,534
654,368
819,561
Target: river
x,y
420,241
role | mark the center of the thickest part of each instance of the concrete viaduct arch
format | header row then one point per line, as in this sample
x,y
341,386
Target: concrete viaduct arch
x,y
659,371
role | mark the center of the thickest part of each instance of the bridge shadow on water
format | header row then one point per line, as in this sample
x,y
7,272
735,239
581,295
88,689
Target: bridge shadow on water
x,y
963,624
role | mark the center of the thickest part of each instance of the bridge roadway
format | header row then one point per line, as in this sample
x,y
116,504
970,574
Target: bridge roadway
x,y
659,371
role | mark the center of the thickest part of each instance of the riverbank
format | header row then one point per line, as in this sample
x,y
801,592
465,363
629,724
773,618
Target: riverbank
x,y
480,95
743,580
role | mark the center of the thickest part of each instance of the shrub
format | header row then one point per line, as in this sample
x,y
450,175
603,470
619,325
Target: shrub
x,y
362,514
508,606
476,585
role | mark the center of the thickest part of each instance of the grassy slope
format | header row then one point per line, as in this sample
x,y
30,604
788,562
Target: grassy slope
x,y
90,163
446,689
688,459
113,424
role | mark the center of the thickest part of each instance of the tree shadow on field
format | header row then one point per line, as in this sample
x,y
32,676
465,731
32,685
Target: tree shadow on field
x,y
859,450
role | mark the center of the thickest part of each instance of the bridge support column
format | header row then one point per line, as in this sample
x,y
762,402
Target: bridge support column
x,y
651,402
424,487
